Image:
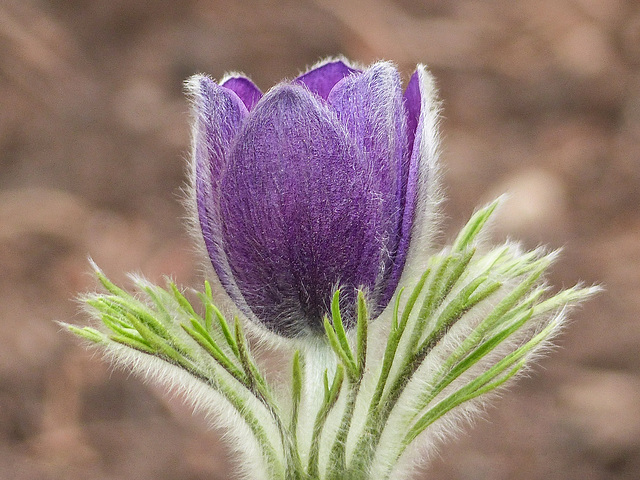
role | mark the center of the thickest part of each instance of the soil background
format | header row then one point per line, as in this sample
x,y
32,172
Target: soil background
x,y
540,99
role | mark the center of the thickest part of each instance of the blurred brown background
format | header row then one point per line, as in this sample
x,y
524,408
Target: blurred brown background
x,y
541,99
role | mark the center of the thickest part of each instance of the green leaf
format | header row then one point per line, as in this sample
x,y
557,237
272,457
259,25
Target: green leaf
x,y
361,334
330,397
182,301
87,333
474,226
205,341
296,393
345,356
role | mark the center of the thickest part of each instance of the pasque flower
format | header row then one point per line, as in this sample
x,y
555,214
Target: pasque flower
x,y
311,200
313,186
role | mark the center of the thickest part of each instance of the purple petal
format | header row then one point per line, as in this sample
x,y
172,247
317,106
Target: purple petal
x,y
300,212
322,79
408,191
371,107
412,103
219,114
248,92
422,122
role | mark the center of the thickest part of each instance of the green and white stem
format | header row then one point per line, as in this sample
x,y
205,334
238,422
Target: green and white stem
x,y
362,404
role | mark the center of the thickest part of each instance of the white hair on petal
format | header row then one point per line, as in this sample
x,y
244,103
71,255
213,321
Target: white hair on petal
x,y
427,216
331,59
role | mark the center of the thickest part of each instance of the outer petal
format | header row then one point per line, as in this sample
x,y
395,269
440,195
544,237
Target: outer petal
x,y
371,107
412,102
299,211
248,92
219,114
321,79
421,196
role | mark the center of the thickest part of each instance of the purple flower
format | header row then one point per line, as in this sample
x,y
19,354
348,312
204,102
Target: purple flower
x,y
313,186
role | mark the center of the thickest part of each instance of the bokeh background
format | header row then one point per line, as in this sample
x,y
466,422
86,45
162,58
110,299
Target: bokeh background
x,y
541,99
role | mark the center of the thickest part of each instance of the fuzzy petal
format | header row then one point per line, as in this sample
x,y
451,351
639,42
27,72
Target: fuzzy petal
x,y
371,107
219,114
409,172
300,212
322,79
418,222
248,92
412,104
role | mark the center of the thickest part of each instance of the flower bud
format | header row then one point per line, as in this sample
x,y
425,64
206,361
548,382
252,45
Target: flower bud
x,y
311,187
